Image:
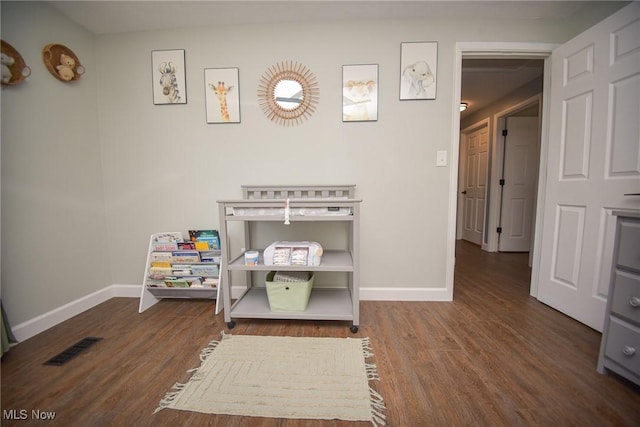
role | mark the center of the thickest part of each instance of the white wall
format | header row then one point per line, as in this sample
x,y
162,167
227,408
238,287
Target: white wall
x,y
90,169
53,219
522,93
164,167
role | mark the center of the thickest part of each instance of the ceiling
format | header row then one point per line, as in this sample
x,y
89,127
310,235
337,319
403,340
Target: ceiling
x,y
487,80
104,17
483,81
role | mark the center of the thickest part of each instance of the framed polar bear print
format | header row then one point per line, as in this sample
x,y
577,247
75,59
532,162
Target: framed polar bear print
x,y
418,69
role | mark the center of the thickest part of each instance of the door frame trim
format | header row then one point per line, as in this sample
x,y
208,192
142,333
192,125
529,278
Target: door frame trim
x,y
496,50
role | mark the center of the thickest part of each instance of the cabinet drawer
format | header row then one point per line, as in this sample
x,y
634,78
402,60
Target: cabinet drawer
x,y
626,296
624,338
629,244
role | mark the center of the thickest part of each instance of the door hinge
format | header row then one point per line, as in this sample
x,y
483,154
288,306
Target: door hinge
x,y
505,132
499,230
502,181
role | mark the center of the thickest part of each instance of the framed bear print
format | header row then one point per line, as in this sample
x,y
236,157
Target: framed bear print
x,y
418,68
169,81
360,93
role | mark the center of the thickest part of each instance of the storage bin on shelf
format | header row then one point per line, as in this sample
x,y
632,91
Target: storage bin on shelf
x,y
289,291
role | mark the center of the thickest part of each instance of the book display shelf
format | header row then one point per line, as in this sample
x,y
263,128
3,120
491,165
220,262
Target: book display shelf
x,y
179,267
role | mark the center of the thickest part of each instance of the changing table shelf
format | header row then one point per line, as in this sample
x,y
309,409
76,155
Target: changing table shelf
x,y
269,204
324,304
332,260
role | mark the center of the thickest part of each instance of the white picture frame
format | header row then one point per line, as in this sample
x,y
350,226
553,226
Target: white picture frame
x,y
418,70
168,77
360,93
222,95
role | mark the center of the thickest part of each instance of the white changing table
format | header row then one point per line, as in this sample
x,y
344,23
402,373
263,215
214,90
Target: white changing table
x,y
326,204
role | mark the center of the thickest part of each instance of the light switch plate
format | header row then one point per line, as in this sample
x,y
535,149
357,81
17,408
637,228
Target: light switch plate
x,y
441,158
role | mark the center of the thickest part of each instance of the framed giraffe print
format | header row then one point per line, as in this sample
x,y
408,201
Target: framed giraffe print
x,y
169,77
222,95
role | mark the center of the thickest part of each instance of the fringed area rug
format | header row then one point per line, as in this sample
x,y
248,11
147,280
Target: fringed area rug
x,y
283,377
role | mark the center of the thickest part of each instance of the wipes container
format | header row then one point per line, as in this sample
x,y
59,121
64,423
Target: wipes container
x,y
289,291
251,258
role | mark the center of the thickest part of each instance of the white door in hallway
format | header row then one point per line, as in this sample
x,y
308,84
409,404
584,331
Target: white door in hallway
x,y
593,160
520,177
476,150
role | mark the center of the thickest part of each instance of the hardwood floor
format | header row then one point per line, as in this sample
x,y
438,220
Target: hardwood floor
x,y
493,357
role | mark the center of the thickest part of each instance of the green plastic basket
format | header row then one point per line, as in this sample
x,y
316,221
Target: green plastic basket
x,y
288,296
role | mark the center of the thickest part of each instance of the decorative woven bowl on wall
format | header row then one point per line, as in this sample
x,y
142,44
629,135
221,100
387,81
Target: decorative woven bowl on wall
x,y
65,72
18,69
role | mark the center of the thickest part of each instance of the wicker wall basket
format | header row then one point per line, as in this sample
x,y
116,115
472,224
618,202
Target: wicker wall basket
x,y
62,63
12,60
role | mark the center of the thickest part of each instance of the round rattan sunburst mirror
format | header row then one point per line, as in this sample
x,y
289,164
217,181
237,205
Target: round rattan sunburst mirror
x,y
288,93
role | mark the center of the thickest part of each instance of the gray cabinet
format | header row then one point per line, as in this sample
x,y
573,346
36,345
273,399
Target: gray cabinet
x,y
620,347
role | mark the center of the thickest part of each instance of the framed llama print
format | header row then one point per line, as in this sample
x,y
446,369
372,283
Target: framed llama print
x,y
360,93
222,95
169,81
418,67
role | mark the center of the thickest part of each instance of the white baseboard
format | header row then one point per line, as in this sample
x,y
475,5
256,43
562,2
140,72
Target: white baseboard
x,y
405,294
126,291
26,330
34,326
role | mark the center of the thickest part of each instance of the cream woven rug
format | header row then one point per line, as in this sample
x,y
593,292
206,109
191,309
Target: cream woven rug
x,y
283,377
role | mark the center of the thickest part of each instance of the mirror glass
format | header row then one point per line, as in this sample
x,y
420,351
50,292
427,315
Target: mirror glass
x,y
288,94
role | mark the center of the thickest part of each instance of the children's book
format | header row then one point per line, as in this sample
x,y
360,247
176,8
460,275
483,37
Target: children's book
x,y
183,246
211,237
170,237
185,257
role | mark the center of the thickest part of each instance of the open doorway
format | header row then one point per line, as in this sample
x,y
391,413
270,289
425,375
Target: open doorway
x,y
520,129
490,51
498,167
472,182
572,249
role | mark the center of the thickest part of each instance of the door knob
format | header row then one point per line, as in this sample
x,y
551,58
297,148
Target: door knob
x,y
464,192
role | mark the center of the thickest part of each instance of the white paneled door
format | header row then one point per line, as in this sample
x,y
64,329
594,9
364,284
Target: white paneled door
x,y
520,177
475,151
593,161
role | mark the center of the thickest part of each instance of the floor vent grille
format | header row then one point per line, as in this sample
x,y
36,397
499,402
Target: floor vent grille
x,y
72,351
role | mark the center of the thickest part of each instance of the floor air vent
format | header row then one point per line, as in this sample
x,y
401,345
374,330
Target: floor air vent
x,y
72,351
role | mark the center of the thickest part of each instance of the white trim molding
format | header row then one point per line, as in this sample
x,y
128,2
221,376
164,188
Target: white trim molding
x,y
32,327
488,50
404,294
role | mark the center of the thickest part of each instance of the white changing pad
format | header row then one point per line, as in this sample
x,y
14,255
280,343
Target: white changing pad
x,y
319,211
